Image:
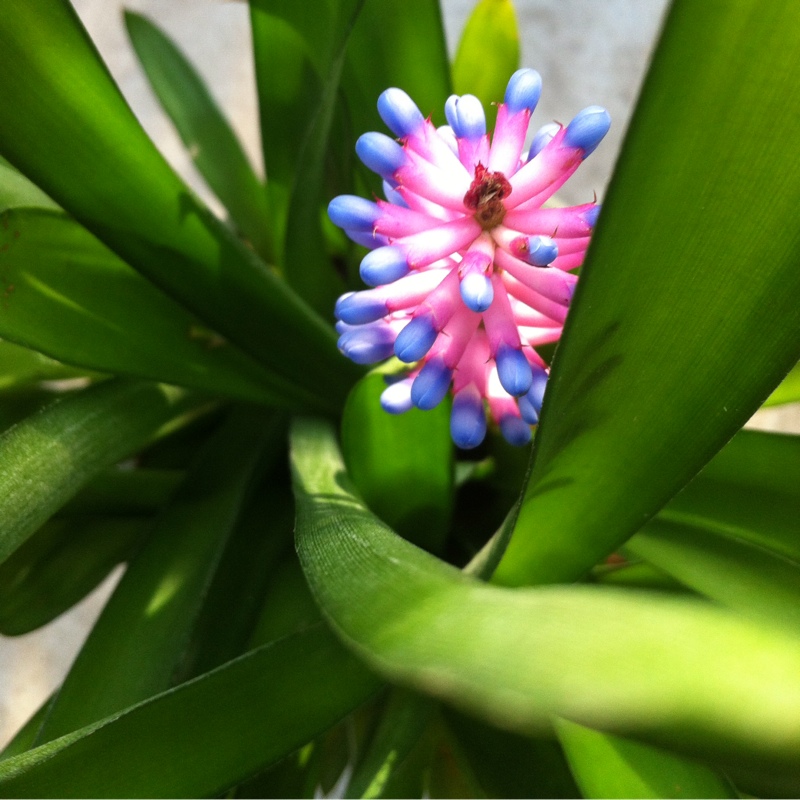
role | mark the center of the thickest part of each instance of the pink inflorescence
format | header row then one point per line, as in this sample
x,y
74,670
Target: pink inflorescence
x,y
469,272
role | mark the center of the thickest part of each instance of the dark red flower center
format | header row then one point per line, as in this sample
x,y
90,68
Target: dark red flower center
x,y
485,197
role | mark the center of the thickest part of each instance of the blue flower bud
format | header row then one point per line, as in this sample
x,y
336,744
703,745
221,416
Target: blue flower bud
x,y
380,153
466,116
415,339
431,385
358,308
467,420
542,250
367,343
396,398
535,395
587,129
355,213
393,196
513,370
515,430
528,411
523,90
399,112
542,138
476,291
384,265
367,239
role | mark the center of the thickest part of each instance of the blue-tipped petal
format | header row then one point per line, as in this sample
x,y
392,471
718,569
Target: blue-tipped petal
x,y
380,153
384,265
415,339
399,112
431,385
515,430
523,90
396,398
358,308
542,250
587,129
367,344
354,213
535,395
542,138
591,215
528,411
476,291
466,116
467,420
393,196
513,370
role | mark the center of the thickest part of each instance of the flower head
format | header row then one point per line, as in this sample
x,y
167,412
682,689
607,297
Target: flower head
x,y
469,272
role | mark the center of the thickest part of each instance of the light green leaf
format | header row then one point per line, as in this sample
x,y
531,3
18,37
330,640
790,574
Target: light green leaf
x,y
788,391
20,367
674,338
413,495
631,663
487,55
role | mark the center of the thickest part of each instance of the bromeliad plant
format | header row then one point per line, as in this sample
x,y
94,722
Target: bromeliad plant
x,y
615,616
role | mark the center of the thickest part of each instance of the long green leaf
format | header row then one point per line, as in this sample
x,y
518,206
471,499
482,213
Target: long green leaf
x,y
609,766
674,338
788,391
20,367
206,133
48,457
205,736
146,625
73,135
673,670
102,315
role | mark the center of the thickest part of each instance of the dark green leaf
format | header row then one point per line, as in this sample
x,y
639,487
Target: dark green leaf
x,y
145,627
674,338
60,564
413,495
74,136
20,366
206,133
48,457
205,736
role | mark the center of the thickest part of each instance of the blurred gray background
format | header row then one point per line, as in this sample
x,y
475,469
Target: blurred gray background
x,y
588,52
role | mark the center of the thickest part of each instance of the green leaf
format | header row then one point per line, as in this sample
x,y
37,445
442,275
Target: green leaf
x,y
788,391
609,766
102,315
21,367
674,339
145,626
74,136
487,55
48,457
632,663
205,736
59,565
413,495
206,133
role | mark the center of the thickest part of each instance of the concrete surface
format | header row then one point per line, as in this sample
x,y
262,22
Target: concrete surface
x,y
588,52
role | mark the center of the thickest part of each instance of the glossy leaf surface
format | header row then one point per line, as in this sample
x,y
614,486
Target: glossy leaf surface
x,y
205,736
74,136
631,663
47,458
674,339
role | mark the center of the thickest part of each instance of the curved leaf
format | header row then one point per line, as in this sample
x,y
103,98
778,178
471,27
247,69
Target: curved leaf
x,y
675,338
633,663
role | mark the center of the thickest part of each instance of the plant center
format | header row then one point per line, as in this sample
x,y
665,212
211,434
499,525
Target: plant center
x,y
485,197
